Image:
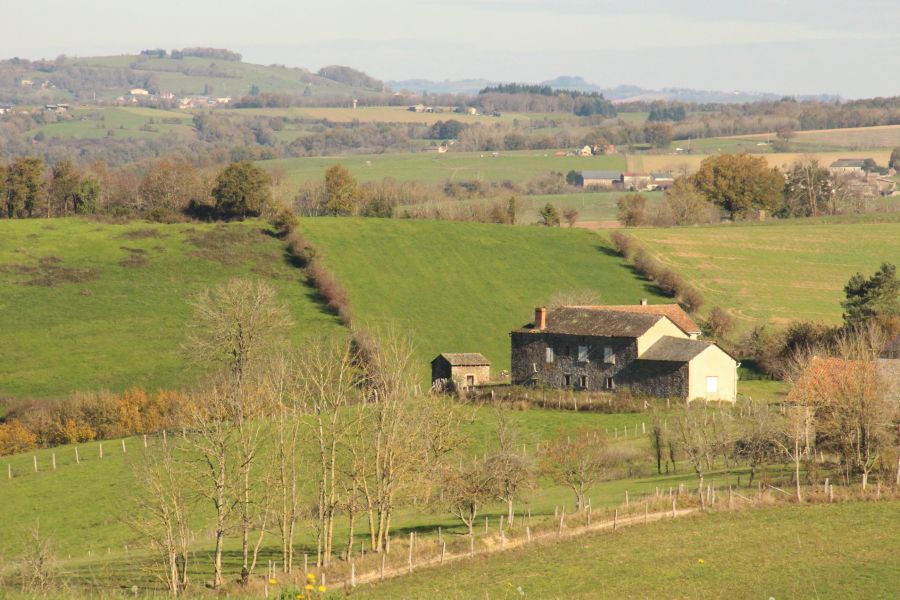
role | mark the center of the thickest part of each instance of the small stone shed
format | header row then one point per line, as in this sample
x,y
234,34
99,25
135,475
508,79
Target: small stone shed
x,y
464,370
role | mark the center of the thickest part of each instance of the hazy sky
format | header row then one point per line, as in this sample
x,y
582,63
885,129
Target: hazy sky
x,y
848,47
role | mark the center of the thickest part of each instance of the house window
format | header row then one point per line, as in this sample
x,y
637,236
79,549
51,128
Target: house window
x,y
549,354
608,356
567,380
583,381
582,354
712,385
610,384
470,381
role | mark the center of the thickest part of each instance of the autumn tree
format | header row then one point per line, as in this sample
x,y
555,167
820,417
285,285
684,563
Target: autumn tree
x,y
26,190
809,189
342,194
170,185
687,205
571,216
740,183
65,185
242,190
632,209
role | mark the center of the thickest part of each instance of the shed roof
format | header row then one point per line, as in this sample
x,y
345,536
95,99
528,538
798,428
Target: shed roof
x,y
596,321
601,174
675,313
464,359
673,349
849,162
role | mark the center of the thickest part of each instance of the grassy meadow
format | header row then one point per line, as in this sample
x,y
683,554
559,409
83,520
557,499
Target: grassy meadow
x,y
93,306
775,272
519,166
461,287
119,122
825,551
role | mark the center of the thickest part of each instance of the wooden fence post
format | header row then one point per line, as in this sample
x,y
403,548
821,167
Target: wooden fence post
x,y
411,552
646,510
472,545
443,550
123,446
305,564
528,534
53,457
383,555
101,450
673,508
352,573
35,463
145,440
9,470
616,520
77,459
626,498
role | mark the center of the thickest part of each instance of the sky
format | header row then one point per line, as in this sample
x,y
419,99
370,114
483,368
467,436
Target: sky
x,y
846,47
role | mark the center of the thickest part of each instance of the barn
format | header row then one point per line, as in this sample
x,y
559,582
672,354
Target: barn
x,y
463,370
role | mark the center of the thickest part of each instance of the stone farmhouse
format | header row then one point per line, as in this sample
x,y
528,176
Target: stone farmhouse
x,y
651,350
460,370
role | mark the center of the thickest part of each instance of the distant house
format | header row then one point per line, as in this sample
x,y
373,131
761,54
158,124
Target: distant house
x,y
5,108
605,149
607,348
637,182
166,95
848,166
26,83
138,92
57,108
602,179
586,151
460,370
662,181
417,108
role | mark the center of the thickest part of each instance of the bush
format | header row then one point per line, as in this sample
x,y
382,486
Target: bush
x,y
626,245
690,299
334,294
15,437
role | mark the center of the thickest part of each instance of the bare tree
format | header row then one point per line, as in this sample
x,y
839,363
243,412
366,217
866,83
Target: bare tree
x,y
513,474
692,427
329,376
468,487
581,459
755,437
37,571
161,514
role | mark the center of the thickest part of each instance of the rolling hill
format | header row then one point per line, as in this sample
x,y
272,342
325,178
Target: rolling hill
x,y
94,306
461,287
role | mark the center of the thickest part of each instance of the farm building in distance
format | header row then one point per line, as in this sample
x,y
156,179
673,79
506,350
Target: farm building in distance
x,y
616,180
651,350
460,370
848,166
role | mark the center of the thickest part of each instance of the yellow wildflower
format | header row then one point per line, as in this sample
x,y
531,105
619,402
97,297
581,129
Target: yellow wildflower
x,y
321,588
311,576
700,560
273,581
309,586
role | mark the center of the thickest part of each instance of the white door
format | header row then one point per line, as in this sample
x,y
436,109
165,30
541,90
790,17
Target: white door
x,y
712,385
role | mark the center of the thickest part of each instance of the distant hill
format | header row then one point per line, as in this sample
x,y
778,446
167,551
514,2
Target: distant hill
x,y
196,71
621,93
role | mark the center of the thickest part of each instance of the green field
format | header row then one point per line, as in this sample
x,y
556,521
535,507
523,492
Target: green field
x,y
93,306
826,552
775,272
124,122
461,287
594,208
517,166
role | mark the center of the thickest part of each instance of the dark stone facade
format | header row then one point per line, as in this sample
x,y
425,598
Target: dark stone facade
x,y
652,378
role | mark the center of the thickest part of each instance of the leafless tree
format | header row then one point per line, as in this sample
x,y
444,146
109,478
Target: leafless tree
x,y
513,473
692,427
161,512
468,487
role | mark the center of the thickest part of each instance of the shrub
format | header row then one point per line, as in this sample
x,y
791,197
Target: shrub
x,y
334,294
690,298
626,245
15,437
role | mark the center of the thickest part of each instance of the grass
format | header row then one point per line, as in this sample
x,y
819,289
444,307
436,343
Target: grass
x,y
691,162
127,122
95,306
775,272
83,507
823,551
517,166
375,114
461,287
594,208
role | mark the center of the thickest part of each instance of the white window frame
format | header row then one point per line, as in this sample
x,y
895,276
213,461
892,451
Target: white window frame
x,y
712,384
549,355
583,381
609,384
584,353
609,356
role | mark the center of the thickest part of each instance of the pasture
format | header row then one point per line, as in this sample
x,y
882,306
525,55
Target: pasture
x,y
376,114
775,272
118,122
519,166
461,287
825,551
688,163
93,306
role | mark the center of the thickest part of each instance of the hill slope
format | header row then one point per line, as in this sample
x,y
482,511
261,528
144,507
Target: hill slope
x,y
461,287
778,271
92,306
785,552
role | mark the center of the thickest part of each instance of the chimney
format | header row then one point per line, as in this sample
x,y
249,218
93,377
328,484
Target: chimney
x,y
540,318
643,302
